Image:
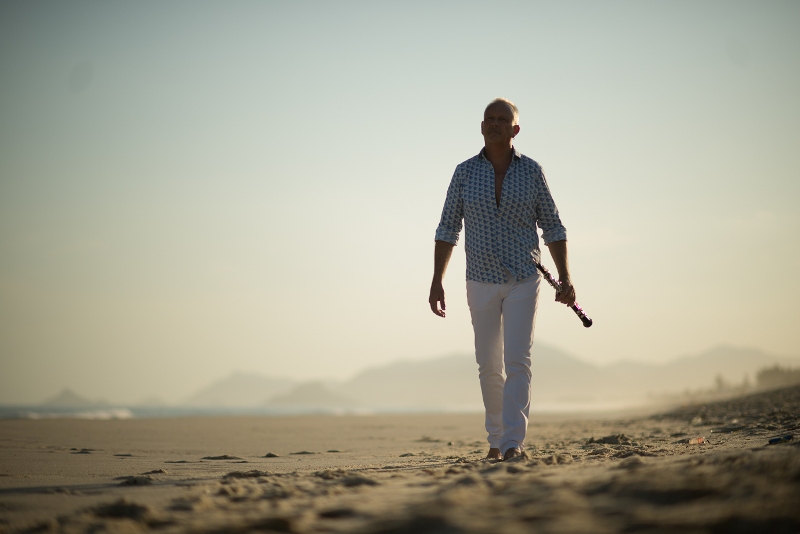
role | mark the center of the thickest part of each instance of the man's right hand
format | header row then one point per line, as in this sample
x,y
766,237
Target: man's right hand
x,y
437,297
441,256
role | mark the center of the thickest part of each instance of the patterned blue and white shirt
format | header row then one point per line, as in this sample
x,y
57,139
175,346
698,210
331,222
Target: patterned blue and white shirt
x,y
500,238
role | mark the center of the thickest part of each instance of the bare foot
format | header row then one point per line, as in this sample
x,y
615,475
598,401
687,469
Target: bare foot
x,y
494,454
514,452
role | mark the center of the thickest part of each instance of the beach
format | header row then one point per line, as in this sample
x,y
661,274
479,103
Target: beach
x,y
700,468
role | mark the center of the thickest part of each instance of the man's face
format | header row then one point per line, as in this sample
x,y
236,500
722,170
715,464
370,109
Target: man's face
x,y
498,126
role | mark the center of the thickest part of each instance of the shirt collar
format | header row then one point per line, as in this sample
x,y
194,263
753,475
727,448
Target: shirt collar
x,y
514,151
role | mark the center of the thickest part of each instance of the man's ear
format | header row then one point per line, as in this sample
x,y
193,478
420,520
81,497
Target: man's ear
x,y
481,127
516,130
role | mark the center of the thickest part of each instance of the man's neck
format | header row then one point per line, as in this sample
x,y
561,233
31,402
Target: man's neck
x,y
498,153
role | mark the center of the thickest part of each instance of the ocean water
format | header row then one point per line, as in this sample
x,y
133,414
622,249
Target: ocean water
x,y
125,412
39,412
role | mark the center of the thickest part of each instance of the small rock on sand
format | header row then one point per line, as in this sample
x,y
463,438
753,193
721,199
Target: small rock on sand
x,y
223,457
336,513
781,439
692,441
123,509
303,452
271,455
135,480
356,480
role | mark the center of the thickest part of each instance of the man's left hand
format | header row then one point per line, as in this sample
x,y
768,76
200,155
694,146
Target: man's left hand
x,y
567,293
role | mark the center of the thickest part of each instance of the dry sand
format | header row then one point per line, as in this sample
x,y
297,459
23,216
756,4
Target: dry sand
x,y
407,473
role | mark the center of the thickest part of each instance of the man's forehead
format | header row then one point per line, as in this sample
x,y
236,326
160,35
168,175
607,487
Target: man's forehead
x,y
499,108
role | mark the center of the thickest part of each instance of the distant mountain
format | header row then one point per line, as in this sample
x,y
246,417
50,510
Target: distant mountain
x,y
313,395
69,399
451,382
442,382
239,390
698,371
557,377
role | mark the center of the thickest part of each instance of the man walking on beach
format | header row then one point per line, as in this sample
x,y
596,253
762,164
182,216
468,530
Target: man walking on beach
x,y
501,196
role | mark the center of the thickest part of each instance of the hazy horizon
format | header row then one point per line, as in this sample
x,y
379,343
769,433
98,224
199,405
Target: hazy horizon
x,y
173,399
189,188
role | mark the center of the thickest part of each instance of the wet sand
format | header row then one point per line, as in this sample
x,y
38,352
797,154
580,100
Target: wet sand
x,y
408,473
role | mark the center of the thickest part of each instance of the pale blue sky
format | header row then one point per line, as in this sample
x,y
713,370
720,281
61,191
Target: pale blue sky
x,y
191,188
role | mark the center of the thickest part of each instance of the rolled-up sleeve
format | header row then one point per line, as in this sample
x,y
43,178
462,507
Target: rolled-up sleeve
x,y
453,211
547,214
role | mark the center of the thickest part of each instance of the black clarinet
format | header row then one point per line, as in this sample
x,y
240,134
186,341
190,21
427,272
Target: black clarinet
x,y
553,282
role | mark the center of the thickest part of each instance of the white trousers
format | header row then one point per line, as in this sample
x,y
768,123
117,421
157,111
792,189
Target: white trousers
x,y
503,318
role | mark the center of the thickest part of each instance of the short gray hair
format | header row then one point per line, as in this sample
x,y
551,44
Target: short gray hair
x,y
507,102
